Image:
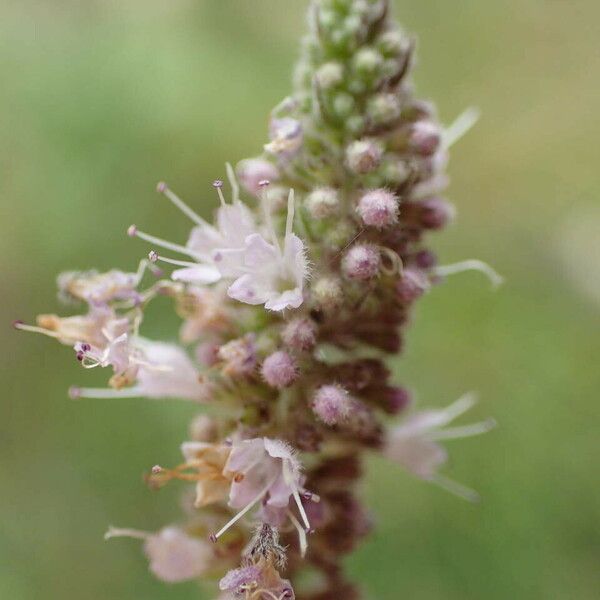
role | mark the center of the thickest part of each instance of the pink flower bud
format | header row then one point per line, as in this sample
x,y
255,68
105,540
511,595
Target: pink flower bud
x,y
424,138
254,170
412,285
363,156
378,208
332,404
279,369
300,334
361,262
435,213
396,400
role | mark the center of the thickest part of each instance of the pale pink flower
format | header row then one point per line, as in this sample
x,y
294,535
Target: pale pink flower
x,y
100,288
272,275
414,443
268,471
207,244
174,555
163,371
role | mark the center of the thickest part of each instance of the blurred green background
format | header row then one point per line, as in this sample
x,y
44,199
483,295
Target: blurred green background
x,y
102,98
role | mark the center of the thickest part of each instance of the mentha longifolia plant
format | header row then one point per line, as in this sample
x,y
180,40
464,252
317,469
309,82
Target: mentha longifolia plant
x,y
290,302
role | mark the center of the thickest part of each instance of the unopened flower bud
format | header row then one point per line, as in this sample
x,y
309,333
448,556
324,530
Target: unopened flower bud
x,y
435,213
322,203
300,334
343,105
367,61
203,429
363,156
378,208
362,262
254,170
355,124
279,369
391,42
396,400
383,108
328,293
332,404
329,75
424,138
425,259
286,136
412,285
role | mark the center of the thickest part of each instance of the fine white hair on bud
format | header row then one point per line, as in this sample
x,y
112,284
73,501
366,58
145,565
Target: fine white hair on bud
x,y
364,156
378,208
362,262
279,369
332,404
323,203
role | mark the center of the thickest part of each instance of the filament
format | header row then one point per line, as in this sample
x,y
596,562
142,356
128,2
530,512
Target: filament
x,y
165,244
456,488
132,533
301,533
471,265
181,205
464,431
235,188
461,125
36,329
244,510
289,224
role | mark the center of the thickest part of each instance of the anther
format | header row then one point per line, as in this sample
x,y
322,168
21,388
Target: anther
x,y
264,183
152,256
156,469
132,231
74,392
217,183
161,187
213,538
17,324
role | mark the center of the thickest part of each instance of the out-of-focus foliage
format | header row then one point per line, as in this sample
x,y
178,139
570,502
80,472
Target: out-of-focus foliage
x,y
100,99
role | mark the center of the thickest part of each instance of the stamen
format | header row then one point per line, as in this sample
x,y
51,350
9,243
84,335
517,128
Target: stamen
x,y
235,188
287,476
471,265
289,224
163,188
75,393
267,213
456,488
462,124
218,184
35,329
114,532
460,406
301,533
215,536
154,257
464,431
133,231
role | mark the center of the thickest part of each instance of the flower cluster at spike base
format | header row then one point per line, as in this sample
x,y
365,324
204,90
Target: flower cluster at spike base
x,y
289,302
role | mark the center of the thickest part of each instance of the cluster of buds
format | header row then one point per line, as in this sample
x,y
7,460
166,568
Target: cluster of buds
x,y
290,301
